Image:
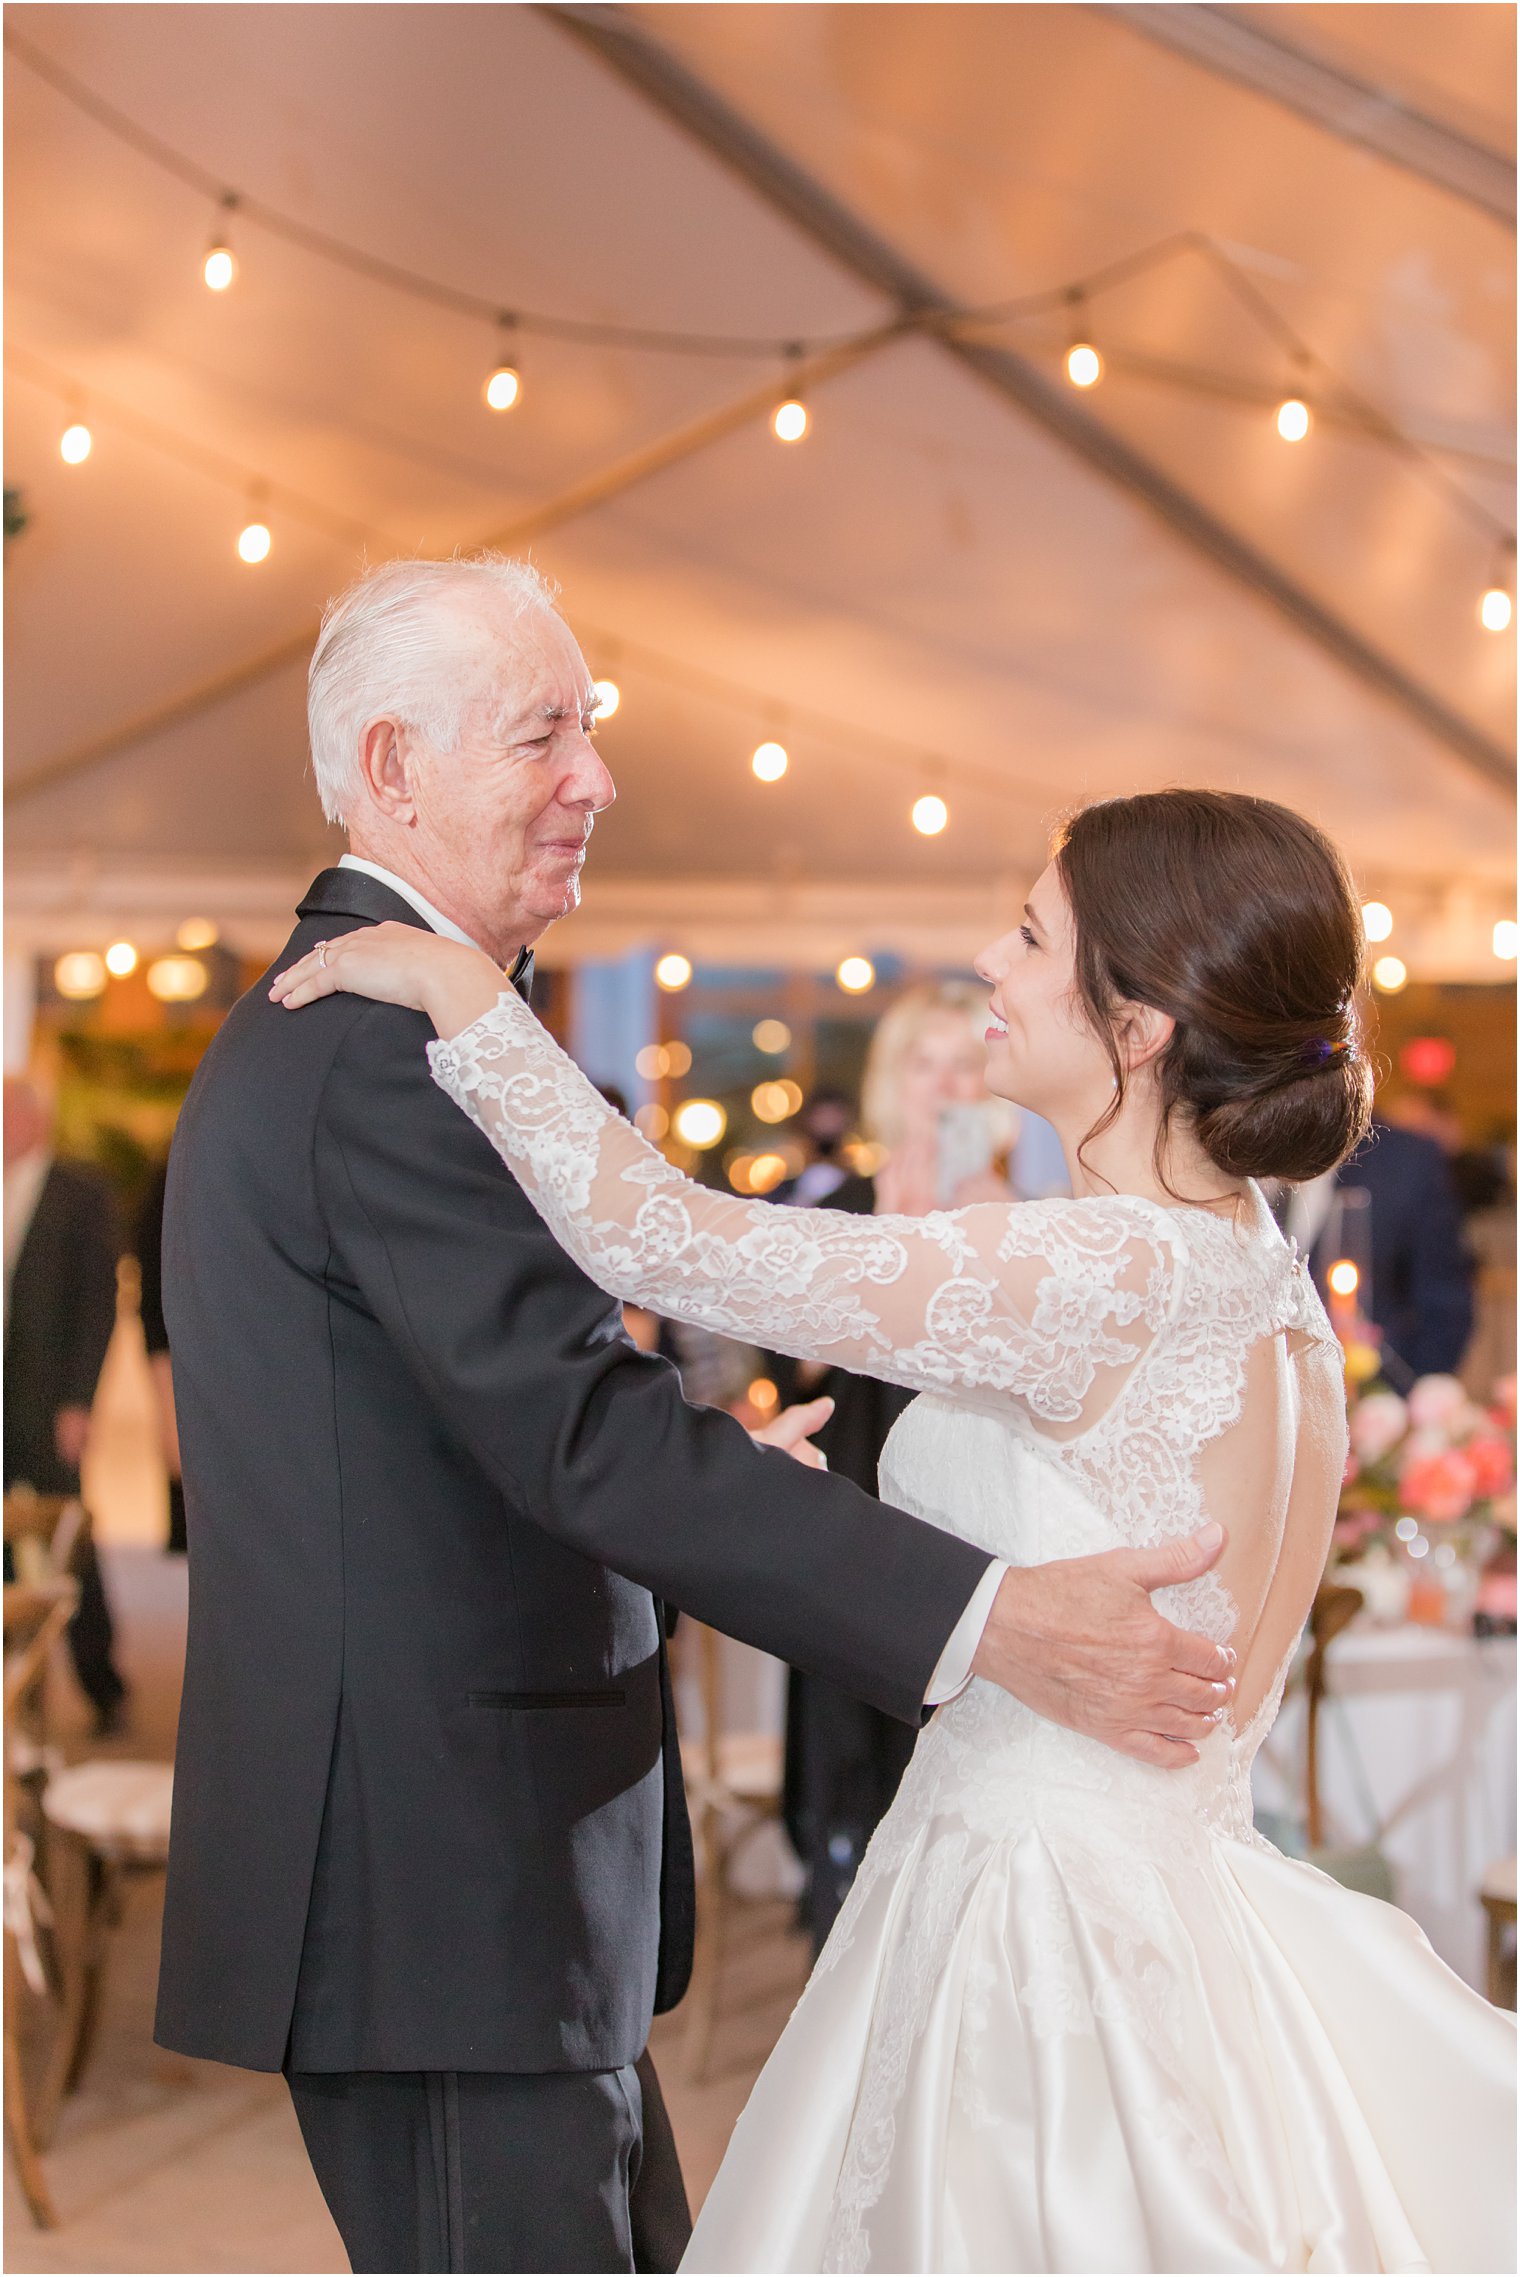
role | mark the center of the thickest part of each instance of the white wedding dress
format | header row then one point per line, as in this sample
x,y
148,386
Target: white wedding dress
x,y
1076,2014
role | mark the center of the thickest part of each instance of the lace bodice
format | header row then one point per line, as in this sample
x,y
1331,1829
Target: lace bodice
x,y
1112,1337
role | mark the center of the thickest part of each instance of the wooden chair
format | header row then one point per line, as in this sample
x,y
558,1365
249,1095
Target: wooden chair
x,y
1498,1900
36,1616
733,1785
44,1533
1333,1610
107,1822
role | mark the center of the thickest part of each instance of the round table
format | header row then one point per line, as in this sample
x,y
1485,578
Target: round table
x,y
1422,1722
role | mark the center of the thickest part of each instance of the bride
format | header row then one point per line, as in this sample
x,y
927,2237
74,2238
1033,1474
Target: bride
x,y
1076,2014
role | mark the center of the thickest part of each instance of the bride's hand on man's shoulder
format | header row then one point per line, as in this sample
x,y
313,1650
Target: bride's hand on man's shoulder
x,y
396,964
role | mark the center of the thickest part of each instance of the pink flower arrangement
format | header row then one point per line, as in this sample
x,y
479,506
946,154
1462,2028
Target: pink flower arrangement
x,y
1435,1457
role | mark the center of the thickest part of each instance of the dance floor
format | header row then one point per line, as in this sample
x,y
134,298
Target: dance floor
x,y
162,2164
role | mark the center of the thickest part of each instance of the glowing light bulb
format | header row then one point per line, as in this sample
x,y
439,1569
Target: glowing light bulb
x,y
254,542
1343,1277
220,268
673,971
177,980
774,1102
766,1171
608,697
1293,420
769,762
1506,939
700,1123
1495,610
930,814
652,1062
197,933
772,1036
1389,974
80,974
1084,366
1377,920
75,444
503,388
855,975
763,1396
121,958
789,420
653,1122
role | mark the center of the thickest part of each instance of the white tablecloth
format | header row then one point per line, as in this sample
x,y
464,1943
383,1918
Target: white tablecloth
x,y
1431,1716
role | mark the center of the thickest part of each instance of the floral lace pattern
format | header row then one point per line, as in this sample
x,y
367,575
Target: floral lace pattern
x,y
1077,1357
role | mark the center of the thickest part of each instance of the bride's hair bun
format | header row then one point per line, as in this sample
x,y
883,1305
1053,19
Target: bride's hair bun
x,y
1238,918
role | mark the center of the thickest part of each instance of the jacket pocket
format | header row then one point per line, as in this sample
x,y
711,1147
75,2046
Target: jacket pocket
x,y
538,1700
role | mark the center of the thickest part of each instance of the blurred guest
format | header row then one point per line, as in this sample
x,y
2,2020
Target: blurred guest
x,y
923,1097
1430,1113
823,1127
1392,1207
150,1242
60,1312
1485,1183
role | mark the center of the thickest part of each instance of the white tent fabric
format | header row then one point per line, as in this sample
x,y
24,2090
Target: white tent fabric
x,y
935,590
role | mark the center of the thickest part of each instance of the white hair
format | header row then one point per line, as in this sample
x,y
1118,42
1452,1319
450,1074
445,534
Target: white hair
x,y
393,646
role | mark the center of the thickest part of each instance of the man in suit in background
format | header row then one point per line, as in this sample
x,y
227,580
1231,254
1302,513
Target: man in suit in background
x,y
430,1854
60,1313
1392,1209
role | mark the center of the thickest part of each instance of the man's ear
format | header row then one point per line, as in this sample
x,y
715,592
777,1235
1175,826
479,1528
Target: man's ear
x,y
387,777
1144,1035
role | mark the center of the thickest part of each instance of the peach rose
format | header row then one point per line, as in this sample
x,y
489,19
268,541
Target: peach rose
x,y
1436,1402
1440,1487
1493,1463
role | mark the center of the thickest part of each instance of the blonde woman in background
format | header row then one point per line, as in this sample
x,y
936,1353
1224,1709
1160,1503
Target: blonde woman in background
x,y
923,1099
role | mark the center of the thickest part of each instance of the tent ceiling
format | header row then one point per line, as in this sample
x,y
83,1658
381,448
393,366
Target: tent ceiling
x,y
932,577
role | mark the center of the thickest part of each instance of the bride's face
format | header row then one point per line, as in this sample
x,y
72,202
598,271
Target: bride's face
x,y
1042,1052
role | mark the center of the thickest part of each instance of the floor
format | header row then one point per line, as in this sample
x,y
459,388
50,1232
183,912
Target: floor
x,y
163,2164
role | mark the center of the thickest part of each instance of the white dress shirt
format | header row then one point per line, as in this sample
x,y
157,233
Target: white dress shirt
x,y
953,1670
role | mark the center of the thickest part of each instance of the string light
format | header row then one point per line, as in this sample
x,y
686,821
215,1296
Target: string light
x,y
80,974
1084,366
121,959
503,389
177,980
772,1036
855,975
1497,608
700,1123
1389,974
75,444
789,420
608,697
197,933
1293,420
776,1102
1343,1277
763,1396
1377,920
930,814
219,268
769,762
673,971
1506,940
254,542
653,1122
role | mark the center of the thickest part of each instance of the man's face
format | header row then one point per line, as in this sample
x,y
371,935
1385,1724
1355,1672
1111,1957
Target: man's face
x,y
503,821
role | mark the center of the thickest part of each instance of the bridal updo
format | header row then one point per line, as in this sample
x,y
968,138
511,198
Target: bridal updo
x,y
1237,918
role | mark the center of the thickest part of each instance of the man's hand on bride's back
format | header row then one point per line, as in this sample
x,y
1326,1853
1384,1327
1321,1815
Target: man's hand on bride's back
x,y
396,964
1080,1642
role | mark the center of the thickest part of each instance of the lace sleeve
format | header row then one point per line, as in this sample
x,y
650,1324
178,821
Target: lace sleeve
x,y
1050,1303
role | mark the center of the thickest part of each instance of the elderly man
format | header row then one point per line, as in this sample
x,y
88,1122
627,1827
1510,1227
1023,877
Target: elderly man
x,y
430,1853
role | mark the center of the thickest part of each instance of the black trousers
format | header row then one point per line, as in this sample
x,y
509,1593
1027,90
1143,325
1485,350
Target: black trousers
x,y
496,2171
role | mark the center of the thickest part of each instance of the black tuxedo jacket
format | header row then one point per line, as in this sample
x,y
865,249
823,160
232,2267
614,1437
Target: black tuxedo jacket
x,y
59,1320
1421,1293
420,1802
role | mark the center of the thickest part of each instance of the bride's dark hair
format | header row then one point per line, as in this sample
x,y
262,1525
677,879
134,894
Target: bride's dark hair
x,y
1239,919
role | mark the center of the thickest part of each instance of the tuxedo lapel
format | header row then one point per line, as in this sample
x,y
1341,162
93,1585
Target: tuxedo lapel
x,y
354,893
